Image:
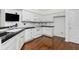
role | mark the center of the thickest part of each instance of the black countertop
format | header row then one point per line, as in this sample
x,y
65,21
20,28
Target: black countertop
x,y
46,26
4,27
11,34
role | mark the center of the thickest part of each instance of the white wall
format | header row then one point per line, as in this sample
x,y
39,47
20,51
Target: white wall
x,y
3,11
47,18
30,16
72,25
0,18
67,25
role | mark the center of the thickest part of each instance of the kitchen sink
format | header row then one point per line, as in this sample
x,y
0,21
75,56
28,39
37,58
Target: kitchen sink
x,y
3,34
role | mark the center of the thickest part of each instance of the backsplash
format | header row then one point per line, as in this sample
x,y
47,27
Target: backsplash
x,y
37,24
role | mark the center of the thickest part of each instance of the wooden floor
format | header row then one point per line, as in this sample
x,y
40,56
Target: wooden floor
x,y
50,43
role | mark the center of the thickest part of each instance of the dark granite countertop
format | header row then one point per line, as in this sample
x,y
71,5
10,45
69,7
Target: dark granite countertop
x,y
46,26
4,27
11,34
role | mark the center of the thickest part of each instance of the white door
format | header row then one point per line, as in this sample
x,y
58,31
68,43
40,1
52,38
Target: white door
x,y
59,29
73,26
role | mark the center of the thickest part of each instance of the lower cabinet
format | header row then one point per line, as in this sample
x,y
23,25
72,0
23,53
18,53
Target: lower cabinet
x,y
21,40
47,31
28,35
36,32
10,44
15,43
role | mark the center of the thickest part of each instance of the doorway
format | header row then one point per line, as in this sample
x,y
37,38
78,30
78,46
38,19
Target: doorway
x,y
59,23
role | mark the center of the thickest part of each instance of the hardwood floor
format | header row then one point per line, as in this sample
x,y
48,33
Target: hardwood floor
x,y
50,43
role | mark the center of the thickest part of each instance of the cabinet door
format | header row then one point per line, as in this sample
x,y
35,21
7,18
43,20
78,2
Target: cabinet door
x,y
36,32
10,44
28,35
12,47
20,39
47,31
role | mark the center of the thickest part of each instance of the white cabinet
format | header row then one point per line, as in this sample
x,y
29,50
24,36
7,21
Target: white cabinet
x,y
10,44
28,35
36,32
20,39
14,43
47,31
39,31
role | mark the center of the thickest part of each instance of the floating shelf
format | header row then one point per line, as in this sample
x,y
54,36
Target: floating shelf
x,y
37,21
46,26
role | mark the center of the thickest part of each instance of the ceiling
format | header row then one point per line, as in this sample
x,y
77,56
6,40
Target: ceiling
x,y
45,11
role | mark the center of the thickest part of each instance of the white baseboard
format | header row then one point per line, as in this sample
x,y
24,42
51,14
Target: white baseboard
x,y
67,40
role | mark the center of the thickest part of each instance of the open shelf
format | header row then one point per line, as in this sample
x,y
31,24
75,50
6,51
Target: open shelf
x,y
37,21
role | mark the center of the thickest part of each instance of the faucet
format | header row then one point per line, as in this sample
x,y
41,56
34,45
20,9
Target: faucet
x,y
16,25
12,27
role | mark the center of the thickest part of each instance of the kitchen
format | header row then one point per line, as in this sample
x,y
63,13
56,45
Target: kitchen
x,y
19,27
